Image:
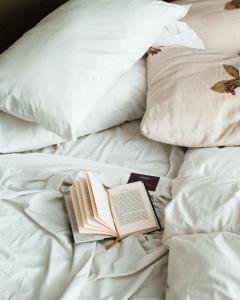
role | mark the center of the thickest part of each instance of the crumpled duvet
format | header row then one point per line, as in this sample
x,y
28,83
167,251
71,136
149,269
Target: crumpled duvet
x,y
197,257
202,227
37,257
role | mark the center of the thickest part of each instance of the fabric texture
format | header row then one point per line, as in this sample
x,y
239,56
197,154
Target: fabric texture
x,y
37,257
204,267
218,28
202,226
203,204
124,146
205,194
178,34
58,71
182,109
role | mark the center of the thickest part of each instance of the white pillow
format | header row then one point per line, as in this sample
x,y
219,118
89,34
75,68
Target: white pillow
x,y
204,266
125,101
58,71
179,34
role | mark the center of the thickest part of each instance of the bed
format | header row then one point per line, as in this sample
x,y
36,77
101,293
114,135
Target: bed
x,y
197,201
38,261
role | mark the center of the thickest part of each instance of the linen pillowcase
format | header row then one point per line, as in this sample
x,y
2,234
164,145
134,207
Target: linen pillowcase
x,y
204,267
218,28
182,109
58,71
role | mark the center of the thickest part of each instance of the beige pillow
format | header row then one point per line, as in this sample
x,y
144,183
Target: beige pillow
x,y
218,28
182,109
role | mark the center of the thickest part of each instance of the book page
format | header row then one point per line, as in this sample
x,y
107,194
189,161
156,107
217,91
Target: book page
x,y
77,236
82,228
91,222
86,199
101,198
132,210
77,212
80,202
76,207
84,209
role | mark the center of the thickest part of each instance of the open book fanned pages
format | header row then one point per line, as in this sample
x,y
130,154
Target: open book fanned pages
x,y
97,213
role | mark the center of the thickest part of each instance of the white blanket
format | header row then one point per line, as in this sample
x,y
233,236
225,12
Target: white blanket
x,y
124,145
202,227
37,258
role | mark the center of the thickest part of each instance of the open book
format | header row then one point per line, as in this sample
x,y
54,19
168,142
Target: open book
x,y
96,213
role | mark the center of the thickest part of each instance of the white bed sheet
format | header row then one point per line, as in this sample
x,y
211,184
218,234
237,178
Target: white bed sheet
x,y
124,145
37,258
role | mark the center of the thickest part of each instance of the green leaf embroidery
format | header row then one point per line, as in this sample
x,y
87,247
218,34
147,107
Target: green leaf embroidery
x,y
228,86
232,5
232,71
219,86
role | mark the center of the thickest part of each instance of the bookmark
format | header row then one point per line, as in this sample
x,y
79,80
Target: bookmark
x,y
110,245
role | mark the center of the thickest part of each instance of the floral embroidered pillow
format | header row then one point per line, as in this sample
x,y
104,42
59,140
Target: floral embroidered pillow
x,y
234,4
193,100
216,22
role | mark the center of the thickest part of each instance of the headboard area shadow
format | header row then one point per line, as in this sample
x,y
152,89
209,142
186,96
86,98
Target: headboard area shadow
x,y
18,16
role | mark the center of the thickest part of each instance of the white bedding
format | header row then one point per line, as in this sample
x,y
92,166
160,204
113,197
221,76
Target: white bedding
x,y
204,266
202,226
37,259
124,145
